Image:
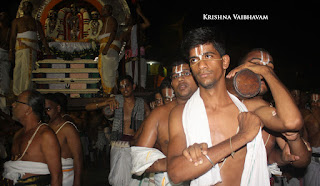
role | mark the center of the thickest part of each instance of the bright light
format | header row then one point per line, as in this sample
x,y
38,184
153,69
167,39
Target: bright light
x,y
152,62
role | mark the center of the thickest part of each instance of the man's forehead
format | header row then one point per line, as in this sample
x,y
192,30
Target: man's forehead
x,y
124,82
180,68
50,102
203,48
257,55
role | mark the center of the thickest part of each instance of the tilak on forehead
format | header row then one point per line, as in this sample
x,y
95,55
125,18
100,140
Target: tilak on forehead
x,y
167,93
124,84
264,61
198,52
178,69
315,97
200,55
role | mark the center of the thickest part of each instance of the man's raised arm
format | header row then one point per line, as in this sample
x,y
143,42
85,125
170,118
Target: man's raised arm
x,y
286,116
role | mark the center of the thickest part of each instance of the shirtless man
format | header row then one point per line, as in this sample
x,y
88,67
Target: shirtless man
x,y
312,123
24,44
129,113
122,106
258,58
69,140
214,114
155,127
35,149
109,50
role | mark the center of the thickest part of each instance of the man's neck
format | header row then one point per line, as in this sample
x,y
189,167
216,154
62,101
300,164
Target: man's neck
x,y
59,120
30,124
181,101
129,99
215,96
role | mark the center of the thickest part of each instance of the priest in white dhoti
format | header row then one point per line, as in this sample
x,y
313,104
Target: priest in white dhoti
x,y
24,44
109,50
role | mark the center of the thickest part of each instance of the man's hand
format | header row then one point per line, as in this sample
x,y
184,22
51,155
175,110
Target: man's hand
x,y
249,125
258,69
286,155
112,103
195,152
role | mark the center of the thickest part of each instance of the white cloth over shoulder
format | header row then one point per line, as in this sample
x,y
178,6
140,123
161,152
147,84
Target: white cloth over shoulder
x,y
195,122
14,170
68,171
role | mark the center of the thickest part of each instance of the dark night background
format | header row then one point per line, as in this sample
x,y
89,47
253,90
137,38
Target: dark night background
x,y
289,34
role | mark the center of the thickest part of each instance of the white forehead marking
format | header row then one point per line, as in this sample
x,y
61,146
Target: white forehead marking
x,y
178,69
263,62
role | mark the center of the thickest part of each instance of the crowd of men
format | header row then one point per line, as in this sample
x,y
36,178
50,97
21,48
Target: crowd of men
x,y
196,132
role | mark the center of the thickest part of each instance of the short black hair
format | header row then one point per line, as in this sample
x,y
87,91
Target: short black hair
x,y
37,102
203,35
63,101
52,97
127,77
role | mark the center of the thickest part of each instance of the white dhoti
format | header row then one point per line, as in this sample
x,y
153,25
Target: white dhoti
x,y
15,170
120,164
196,128
25,57
108,64
312,176
68,172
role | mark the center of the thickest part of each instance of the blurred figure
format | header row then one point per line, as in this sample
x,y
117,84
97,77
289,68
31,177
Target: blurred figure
x,y
167,91
312,123
69,140
4,61
158,101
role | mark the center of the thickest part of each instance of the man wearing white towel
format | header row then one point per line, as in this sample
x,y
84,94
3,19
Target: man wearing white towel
x,y
155,127
35,148
210,129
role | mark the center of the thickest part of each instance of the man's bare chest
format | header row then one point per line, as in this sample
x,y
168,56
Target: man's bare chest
x,y
127,111
26,24
223,125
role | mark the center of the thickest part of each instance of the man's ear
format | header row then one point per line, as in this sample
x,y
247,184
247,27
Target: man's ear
x,y
28,111
59,108
225,61
134,86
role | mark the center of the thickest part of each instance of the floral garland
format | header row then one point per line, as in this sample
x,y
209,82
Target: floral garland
x,y
83,54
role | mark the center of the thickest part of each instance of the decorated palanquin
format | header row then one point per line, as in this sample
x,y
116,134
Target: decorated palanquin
x,y
71,29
